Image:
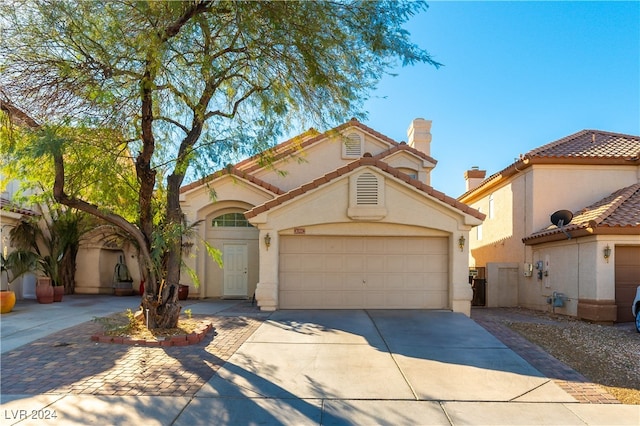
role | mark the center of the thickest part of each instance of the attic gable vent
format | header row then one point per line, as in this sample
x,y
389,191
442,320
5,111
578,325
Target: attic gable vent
x,y
366,196
352,146
367,190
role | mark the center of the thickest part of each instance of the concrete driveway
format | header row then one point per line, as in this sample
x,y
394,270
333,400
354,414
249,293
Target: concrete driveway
x,y
364,367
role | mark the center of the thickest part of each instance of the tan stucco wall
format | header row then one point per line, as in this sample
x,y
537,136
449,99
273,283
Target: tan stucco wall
x,y
502,233
556,187
326,156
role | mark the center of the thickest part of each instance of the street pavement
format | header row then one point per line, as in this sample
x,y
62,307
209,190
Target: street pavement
x,y
290,367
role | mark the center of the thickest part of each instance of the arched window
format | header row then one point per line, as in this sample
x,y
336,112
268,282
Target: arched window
x,y
235,220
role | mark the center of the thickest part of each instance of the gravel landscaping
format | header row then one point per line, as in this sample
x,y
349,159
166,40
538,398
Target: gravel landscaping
x,y
607,355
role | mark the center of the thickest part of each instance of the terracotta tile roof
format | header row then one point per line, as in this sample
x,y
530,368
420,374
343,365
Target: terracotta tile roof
x,y
584,147
402,146
618,213
591,144
364,161
235,172
13,208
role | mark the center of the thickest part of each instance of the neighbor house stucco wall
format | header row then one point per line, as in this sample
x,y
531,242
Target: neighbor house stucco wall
x,y
572,187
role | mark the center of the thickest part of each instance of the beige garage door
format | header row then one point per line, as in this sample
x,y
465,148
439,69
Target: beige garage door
x,y
627,269
334,272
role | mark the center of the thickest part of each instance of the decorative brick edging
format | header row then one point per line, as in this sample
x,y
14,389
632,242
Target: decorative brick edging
x,y
179,340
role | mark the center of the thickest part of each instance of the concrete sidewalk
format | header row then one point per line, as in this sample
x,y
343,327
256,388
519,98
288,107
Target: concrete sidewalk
x,y
298,367
30,320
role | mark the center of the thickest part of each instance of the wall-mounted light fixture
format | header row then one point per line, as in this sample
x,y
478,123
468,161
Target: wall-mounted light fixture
x,y
267,241
607,253
461,241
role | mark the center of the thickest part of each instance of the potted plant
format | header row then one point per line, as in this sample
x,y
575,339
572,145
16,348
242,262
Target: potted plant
x,y
14,265
54,240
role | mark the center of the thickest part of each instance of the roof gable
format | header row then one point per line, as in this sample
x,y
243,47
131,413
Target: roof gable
x,y
403,147
619,213
365,161
298,143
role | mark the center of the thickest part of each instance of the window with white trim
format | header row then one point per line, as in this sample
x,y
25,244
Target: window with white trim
x,y
235,220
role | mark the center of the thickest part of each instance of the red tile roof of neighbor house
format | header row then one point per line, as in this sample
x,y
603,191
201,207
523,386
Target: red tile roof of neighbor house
x,y
584,147
14,208
364,161
618,213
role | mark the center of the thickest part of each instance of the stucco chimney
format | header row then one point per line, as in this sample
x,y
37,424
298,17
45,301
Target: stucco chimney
x,y
474,177
419,135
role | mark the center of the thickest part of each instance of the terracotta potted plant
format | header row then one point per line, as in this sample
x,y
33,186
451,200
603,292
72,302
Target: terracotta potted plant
x,y
14,265
7,297
183,291
44,290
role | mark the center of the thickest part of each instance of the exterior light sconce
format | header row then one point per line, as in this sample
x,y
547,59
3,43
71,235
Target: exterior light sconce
x,y
267,241
461,241
607,253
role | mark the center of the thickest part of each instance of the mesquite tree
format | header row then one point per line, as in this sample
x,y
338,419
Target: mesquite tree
x,y
190,85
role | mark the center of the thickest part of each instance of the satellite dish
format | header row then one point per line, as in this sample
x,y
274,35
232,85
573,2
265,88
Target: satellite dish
x,y
562,218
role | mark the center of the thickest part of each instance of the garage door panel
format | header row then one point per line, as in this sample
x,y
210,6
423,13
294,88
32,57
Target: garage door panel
x,y
355,263
374,282
334,263
395,245
333,281
353,245
435,263
364,272
289,262
310,262
394,264
375,263
414,281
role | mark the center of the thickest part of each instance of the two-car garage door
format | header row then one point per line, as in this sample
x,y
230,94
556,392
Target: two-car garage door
x,y
347,272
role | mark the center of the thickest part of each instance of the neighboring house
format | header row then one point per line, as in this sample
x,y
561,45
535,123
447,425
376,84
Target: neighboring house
x,y
342,219
10,216
588,269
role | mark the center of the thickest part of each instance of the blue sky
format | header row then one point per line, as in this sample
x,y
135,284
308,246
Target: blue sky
x,y
516,75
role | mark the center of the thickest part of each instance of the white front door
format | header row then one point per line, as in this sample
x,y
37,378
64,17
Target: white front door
x,y
235,270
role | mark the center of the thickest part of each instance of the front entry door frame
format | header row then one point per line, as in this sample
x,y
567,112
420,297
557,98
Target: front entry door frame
x,y
235,265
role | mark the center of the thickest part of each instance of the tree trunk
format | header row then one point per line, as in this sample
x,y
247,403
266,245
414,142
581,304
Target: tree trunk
x,y
162,313
67,270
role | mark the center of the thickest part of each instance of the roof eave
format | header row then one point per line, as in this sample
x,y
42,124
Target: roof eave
x,y
586,231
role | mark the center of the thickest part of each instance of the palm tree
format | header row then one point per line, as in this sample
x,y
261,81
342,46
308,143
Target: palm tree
x,y
55,244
